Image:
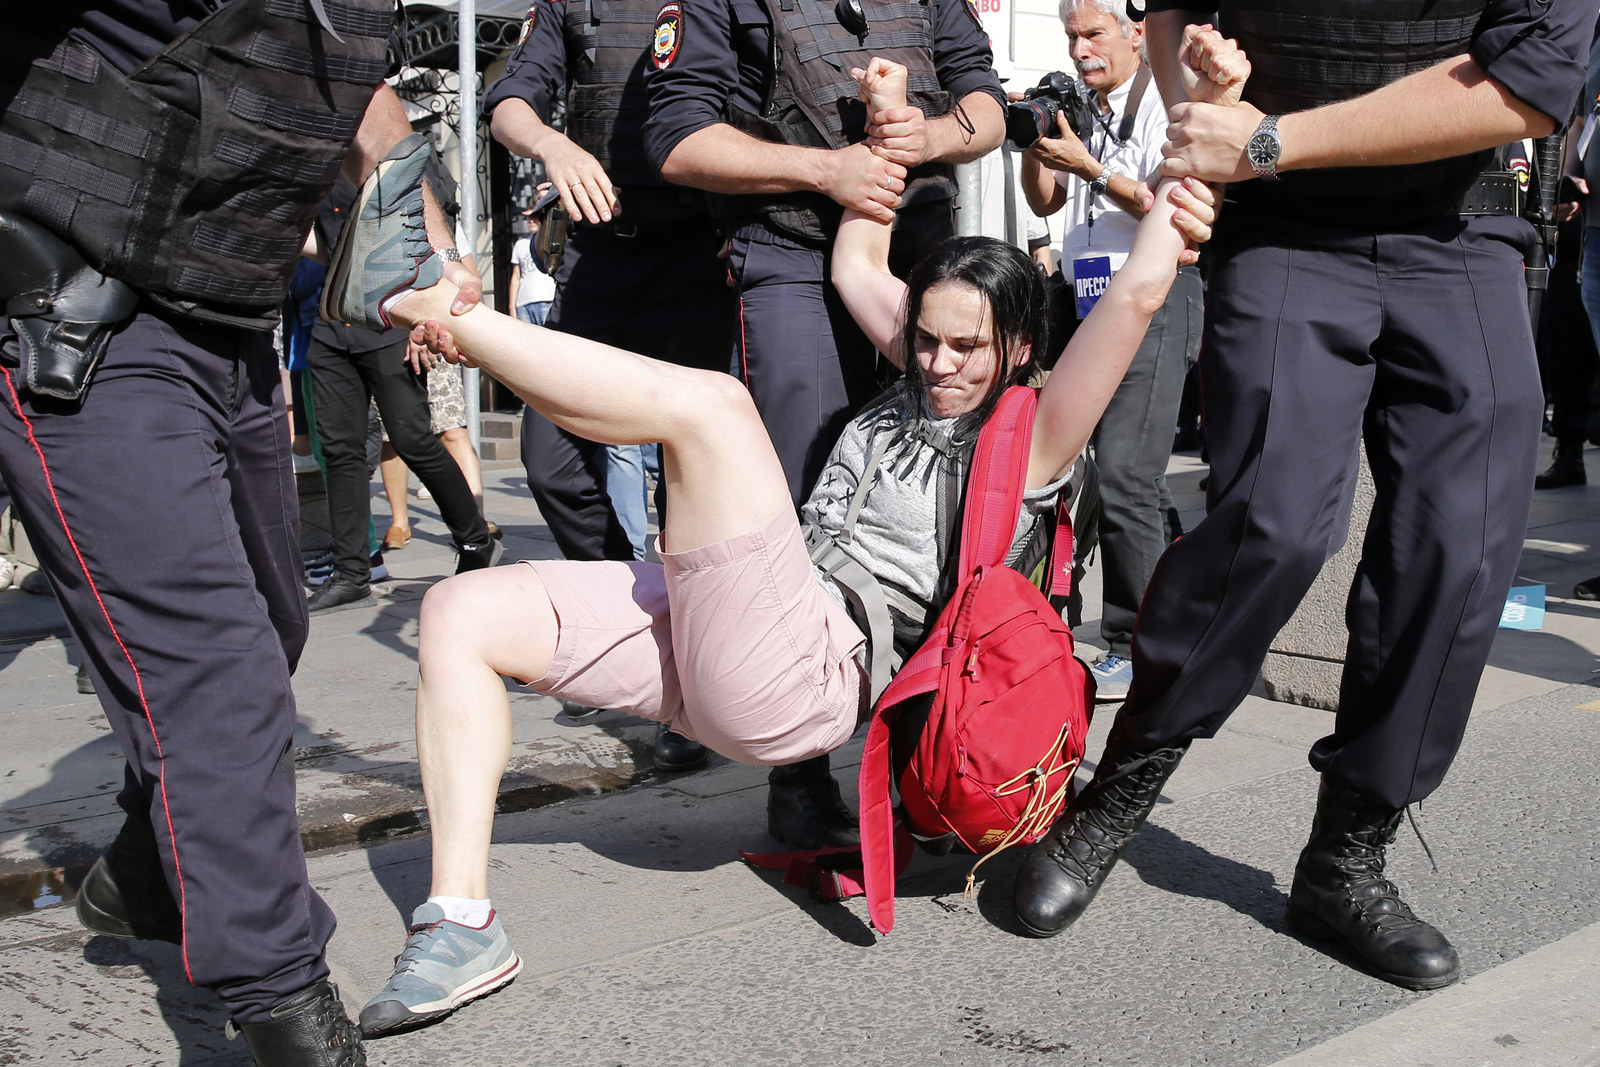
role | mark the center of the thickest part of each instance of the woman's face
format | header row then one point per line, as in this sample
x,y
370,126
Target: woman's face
x,y
956,348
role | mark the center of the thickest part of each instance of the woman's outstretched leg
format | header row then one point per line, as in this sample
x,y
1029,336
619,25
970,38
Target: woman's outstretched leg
x,y
474,628
723,477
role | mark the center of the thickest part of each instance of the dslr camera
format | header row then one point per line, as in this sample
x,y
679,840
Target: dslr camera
x,y
1034,116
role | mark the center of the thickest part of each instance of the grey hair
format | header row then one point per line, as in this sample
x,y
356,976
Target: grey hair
x,y
1116,8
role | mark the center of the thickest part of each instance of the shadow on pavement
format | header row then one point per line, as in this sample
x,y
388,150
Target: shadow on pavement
x,y
194,1015
1166,861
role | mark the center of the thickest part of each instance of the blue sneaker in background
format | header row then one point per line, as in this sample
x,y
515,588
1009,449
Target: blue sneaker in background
x,y
1112,675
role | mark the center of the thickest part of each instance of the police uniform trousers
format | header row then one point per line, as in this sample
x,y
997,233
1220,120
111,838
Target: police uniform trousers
x,y
1132,444
806,363
660,291
163,508
1416,341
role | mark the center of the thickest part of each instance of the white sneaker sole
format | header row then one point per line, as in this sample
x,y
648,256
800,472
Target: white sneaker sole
x,y
421,1014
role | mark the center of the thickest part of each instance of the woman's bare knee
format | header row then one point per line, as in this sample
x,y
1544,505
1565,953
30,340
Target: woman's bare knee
x,y
703,403
500,617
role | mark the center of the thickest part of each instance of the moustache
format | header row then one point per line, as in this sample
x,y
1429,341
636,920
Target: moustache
x,y
1086,65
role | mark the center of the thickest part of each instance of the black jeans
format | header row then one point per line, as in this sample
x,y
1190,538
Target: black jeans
x,y
342,383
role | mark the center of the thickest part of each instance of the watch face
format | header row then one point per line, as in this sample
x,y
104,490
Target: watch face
x,y
1263,151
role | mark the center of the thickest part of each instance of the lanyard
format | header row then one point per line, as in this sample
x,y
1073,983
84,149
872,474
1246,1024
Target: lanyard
x,y
1104,124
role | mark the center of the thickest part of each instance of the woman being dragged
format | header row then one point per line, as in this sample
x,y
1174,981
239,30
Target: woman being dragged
x,y
734,639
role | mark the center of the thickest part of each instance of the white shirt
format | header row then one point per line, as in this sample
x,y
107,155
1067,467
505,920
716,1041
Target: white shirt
x,y
1137,158
534,286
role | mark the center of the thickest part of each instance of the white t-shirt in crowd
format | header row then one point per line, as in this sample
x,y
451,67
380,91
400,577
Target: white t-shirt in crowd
x,y
534,286
1137,158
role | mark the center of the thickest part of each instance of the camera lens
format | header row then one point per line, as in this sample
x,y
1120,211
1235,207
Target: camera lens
x,y
1029,120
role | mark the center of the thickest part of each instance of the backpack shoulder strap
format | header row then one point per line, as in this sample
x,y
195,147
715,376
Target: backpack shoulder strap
x,y
994,487
860,588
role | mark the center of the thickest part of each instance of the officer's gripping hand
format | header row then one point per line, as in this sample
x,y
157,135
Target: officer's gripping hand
x,y
435,343
1209,132
858,178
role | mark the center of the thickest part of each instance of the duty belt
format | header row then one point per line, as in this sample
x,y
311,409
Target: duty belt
x,y
1494,193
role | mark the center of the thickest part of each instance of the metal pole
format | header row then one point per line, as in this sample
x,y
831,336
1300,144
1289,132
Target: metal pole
x,y
467,60
969,201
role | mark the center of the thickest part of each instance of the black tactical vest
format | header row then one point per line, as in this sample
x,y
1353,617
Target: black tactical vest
x,y
608,44
813,100
1304,53
195,178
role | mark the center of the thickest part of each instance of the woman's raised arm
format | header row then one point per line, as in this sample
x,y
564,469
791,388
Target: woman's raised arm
x,y
860,264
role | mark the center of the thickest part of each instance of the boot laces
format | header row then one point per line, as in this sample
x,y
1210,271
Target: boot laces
x,y
1113,808
1360,861
336,1027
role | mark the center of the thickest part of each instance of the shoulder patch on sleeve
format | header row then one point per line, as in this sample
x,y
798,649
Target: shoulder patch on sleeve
x,y
527,22
668,35
972,10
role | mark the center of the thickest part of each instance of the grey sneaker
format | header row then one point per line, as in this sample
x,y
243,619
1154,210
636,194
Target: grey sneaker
x,y
383,252
443,965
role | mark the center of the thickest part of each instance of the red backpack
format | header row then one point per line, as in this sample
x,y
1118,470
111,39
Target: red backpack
x,y
983,727
1010,703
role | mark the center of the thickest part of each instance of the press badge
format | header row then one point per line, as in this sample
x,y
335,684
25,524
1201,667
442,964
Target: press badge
x,y
1091,273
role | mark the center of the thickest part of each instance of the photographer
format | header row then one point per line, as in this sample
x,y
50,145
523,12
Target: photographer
x,y
1099,175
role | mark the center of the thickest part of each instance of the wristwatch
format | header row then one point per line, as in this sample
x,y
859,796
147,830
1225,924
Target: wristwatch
x,y
1098,185
1264,147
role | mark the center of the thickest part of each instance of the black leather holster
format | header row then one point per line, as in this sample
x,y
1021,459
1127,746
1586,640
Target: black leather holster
x,y
62,310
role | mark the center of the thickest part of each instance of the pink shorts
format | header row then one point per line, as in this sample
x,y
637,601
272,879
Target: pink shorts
x,y
735,645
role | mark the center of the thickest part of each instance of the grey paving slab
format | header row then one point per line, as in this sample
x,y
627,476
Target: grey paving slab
x,y
1543,1008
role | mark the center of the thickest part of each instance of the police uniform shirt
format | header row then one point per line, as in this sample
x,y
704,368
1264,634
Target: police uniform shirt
x,y
537,69
722,53
1138,158
1535,50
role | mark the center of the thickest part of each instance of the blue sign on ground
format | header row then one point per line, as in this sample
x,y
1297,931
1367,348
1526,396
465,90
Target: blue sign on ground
x,y
1524,608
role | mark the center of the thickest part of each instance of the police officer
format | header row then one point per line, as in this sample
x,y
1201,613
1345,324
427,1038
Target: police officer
x,y
640,270
784,151
162,163
1367,285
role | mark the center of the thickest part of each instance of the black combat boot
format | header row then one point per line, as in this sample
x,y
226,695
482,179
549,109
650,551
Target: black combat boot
x,y
1566,467
125,893
1340,893
805,810
310,1029
1064,871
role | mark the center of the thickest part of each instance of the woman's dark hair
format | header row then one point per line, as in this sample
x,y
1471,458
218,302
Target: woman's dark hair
x,y
1011,287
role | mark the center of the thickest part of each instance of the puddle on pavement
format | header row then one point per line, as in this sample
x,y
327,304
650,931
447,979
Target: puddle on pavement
x,y
36,890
